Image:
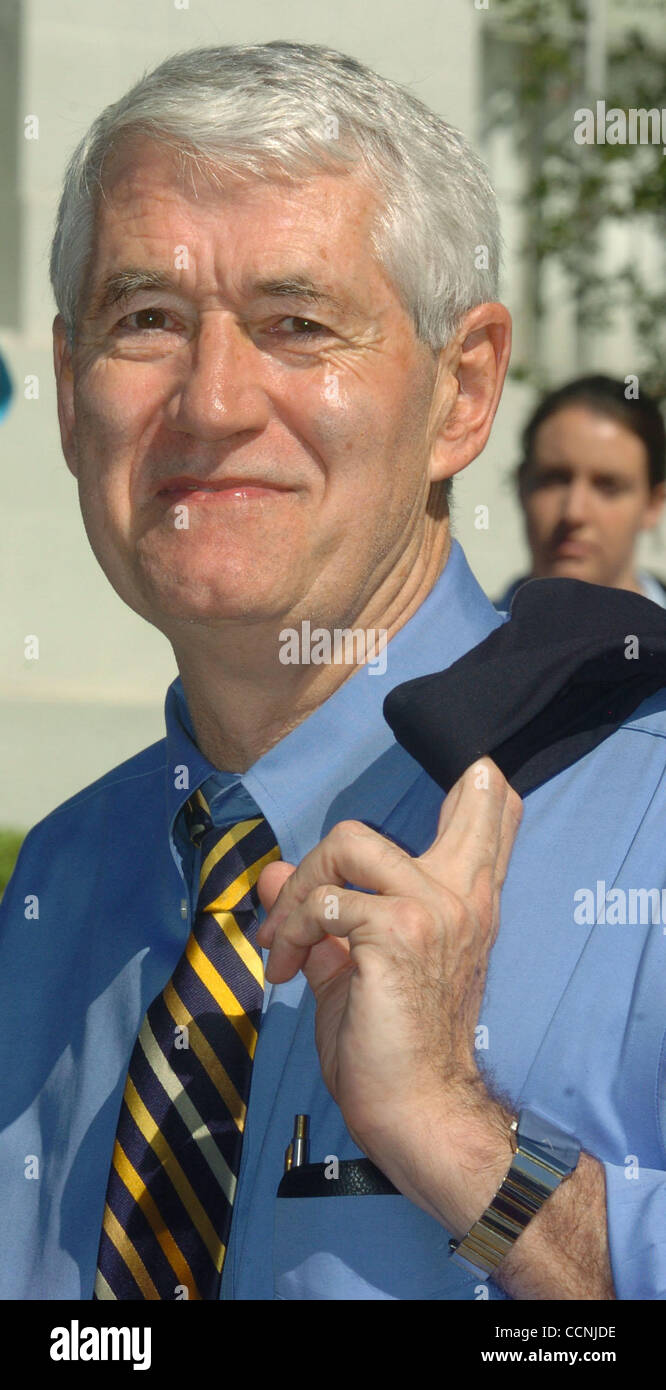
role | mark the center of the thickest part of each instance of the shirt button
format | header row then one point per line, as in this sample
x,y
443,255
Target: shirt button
x,y
183,907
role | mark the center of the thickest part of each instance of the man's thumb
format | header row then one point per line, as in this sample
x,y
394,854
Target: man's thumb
x,y
270,881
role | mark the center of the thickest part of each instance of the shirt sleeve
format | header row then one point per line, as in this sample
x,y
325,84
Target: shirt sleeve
x,y
636,1204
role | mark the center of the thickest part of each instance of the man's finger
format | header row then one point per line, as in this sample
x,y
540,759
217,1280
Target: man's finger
x,y
327,911
476,830
350,853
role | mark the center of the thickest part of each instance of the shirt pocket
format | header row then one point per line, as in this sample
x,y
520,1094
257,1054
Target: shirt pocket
x,y
374,1246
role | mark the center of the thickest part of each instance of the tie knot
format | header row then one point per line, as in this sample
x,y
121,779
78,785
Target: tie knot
x,y
232,856
199,820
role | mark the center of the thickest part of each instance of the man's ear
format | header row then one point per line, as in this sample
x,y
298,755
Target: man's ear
x,y
470,377
62,363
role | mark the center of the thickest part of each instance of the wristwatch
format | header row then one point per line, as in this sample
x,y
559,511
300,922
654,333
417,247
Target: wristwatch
x,y
543,1157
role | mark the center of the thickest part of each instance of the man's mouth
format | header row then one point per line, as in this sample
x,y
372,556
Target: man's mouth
x,y
229,488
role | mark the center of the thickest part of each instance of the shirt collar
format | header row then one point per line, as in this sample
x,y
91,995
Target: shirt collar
x,y
342,761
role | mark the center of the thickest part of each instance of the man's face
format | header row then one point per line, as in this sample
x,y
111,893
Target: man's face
x,y
304,420
587,497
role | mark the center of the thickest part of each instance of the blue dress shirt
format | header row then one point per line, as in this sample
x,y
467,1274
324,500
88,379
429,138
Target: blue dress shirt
x,y
572,1022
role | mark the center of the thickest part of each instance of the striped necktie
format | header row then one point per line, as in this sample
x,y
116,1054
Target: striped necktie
x,y
178,1143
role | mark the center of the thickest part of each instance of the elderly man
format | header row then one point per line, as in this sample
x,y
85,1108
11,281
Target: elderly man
x,y
278,340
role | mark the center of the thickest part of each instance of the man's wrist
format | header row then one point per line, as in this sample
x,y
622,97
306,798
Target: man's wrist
x,y
450,1157
544,1157
480,1150
464,1160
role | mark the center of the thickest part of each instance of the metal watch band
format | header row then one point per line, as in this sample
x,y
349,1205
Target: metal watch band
x,y
536,1170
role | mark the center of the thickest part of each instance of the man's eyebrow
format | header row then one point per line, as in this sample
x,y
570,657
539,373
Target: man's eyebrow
x,y
299,287
123,283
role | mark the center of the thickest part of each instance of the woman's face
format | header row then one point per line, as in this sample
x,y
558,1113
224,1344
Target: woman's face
x,y
587,497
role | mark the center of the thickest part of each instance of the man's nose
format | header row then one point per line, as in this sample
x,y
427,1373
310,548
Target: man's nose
x,y
222,392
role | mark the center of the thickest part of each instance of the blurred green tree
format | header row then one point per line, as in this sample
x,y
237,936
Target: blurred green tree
x,y
539,73
10,844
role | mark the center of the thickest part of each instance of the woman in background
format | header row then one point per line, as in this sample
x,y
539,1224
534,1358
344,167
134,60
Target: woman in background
x,y
591,479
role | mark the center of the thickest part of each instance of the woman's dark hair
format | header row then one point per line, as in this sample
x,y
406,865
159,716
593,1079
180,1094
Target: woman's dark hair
x,y
605,396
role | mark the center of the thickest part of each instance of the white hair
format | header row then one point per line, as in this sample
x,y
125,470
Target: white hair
x,y
286,110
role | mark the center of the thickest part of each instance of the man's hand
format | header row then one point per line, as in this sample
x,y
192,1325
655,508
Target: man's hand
x,y
398,973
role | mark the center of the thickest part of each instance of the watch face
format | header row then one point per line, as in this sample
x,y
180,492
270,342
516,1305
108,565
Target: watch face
x,y
550,1143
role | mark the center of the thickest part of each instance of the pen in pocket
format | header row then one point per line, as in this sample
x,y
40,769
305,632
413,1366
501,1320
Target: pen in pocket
x,y
296,1153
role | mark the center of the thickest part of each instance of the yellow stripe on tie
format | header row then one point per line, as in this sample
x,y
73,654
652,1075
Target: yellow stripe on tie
x,y
138,1190
187,1110
152,1133
208,1058
129,1255
233,837
222,995
248,953
231,896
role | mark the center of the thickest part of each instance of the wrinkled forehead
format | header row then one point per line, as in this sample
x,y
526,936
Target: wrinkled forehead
x,y
152,190
140,162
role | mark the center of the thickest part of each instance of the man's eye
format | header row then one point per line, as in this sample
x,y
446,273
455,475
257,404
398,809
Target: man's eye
x,y
302,328
145,320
